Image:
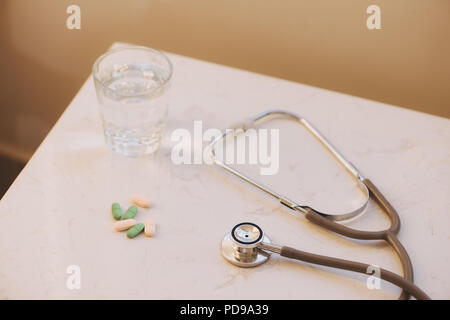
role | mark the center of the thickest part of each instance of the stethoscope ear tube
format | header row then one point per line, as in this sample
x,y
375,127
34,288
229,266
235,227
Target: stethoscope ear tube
x,y
386,275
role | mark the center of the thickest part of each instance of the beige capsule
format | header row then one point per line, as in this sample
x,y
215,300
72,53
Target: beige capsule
x,y
140,201
123,225
150,228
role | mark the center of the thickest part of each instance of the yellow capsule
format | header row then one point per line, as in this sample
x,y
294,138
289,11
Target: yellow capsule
x,y
124,224
140,201
150,228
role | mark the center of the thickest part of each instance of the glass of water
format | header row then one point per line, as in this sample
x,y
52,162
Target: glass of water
x,y
132,85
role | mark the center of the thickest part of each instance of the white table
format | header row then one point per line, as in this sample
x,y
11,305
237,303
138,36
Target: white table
x,y
57,212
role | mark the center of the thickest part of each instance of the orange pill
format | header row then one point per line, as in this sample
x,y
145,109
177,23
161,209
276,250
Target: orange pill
x,y
140,201
150,228
124,224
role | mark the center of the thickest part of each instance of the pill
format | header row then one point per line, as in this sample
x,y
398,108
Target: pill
x,y
130,213
150,227
135,230
116,211
124,224
140,201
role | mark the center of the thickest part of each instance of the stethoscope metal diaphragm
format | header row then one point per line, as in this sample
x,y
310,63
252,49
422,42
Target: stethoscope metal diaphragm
x,y
240,246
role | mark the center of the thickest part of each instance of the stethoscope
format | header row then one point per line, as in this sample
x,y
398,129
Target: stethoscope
x,y
247,246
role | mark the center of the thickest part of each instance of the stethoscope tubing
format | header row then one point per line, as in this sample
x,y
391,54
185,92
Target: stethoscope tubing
x,y
407,286
389,235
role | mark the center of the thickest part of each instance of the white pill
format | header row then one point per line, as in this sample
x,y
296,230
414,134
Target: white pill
x,y
124,224
150,227
140,201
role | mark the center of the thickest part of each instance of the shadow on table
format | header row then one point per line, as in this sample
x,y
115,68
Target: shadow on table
x,y
9,169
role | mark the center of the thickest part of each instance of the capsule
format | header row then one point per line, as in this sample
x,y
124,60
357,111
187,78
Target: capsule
x,y
135,230
124,224
116,211
140,201
131,212
150,227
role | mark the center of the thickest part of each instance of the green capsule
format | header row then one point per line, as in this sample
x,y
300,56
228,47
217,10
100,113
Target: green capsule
x,y
135,230
116,211
130,213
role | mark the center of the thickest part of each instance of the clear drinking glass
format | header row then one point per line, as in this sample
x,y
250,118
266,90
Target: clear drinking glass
x,y
132,85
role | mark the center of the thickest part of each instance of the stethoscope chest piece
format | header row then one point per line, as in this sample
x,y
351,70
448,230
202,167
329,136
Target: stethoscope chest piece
x,y
241,246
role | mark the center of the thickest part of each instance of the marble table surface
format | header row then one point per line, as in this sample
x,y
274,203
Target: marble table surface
x,y
57,212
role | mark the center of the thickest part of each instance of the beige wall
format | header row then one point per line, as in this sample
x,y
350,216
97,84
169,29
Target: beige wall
x,y
322,42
